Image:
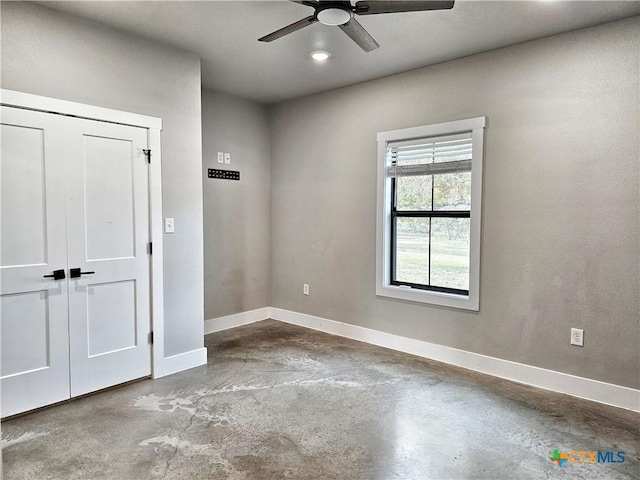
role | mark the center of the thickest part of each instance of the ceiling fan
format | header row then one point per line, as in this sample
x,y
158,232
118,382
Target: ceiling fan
x,y
342,14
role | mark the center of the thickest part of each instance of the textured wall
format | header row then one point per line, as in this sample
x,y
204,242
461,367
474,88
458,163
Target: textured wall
x,y
236,214
56,55
560,244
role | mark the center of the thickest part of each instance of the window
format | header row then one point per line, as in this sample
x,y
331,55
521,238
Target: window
x,y
429,195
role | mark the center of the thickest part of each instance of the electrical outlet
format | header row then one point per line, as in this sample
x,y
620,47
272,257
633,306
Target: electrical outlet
x,y
305,289
220,157
577,337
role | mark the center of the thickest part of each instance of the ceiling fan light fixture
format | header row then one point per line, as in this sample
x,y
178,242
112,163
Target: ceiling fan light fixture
x,y
320,56
333,16
342,14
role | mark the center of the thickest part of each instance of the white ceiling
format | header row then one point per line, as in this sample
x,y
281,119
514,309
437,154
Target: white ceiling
x,y
225,33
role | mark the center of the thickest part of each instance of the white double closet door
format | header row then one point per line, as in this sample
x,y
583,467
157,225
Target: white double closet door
x,y
74,195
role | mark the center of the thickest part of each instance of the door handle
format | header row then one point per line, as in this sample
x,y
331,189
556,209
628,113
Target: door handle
x,y
76,273
56,275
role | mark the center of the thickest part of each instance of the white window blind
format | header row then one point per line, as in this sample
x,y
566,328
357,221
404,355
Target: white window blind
x,y
430,156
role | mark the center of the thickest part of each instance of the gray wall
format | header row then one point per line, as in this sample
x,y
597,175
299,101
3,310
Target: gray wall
x,y
560,244
236,214
52,54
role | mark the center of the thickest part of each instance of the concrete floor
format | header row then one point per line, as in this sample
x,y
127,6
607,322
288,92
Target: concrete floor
x,y
278,401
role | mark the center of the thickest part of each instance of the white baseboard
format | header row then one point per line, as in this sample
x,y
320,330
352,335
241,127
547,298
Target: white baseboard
x,y
231,321
182,361
607,393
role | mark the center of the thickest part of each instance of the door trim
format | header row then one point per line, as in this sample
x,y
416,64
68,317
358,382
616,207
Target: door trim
x,y
12,98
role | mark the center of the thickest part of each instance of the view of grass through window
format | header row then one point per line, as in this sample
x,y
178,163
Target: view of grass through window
x,y
433,251
449,259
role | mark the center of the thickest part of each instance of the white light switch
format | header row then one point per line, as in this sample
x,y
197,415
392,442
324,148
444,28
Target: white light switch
x,y
169,226
220,157
227,158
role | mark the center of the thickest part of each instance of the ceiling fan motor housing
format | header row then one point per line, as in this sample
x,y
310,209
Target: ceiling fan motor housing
x,y
333,15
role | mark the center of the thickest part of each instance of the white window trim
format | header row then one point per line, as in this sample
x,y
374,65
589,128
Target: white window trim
x,y
383,285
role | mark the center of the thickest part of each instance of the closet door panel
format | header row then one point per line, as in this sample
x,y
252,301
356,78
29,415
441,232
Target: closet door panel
x,y
33,304
108,198
24,222
108,232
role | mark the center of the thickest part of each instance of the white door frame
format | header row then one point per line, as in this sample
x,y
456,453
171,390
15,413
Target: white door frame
x,y
11,98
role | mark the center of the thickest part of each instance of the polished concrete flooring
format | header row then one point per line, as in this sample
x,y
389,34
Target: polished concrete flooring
x,y
278,401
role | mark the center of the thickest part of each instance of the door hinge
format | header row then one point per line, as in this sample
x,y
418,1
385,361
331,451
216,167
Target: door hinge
x,y
147,153
151,338
150,248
